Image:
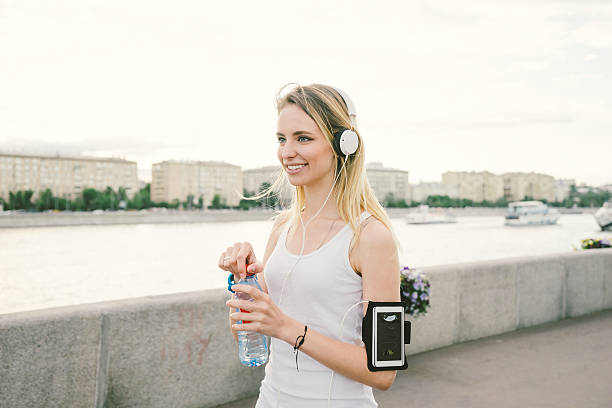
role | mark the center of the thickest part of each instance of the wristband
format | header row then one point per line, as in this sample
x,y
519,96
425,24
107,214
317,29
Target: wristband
x,y
298,343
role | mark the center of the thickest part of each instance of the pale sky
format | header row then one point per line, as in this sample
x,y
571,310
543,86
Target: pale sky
x,y
503,85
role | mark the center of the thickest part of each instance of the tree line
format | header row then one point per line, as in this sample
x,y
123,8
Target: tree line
x,y
591,198
88,200
109,199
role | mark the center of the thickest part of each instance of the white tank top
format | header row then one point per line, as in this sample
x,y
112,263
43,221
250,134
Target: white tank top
x,y
319,291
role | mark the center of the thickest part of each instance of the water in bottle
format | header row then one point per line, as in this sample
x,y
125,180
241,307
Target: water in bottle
x,y
252,346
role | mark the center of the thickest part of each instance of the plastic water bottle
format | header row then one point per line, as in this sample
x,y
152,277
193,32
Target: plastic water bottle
x,y
252,346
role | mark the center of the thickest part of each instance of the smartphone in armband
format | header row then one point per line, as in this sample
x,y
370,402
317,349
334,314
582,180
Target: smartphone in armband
x,y
384,333
387,336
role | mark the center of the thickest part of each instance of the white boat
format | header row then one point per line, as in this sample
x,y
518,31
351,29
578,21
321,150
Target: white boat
x,y
424,216
604,216
531,213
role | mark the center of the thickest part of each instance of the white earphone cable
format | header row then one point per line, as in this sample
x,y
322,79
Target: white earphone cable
x,y
280,299
331,380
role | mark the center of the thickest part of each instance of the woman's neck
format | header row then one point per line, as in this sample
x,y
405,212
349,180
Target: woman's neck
x,y
313,200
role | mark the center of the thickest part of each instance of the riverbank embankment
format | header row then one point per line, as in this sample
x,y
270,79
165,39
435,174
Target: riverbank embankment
x,y
176,350
63,219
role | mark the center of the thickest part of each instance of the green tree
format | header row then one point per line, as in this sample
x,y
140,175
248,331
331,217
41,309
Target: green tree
x,y
389,200
188,203
107,200
402,203
78,204
45,201
88,198
21,200
216,202
268,201
441,201
142,199
122,194
501,202
247,204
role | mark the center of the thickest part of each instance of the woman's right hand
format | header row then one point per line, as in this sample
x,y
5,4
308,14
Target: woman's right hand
x,y
236,258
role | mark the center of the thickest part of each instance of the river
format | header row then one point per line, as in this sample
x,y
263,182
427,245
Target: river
x,y
57,266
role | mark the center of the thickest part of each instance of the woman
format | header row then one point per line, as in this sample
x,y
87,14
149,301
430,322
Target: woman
x,y
349,256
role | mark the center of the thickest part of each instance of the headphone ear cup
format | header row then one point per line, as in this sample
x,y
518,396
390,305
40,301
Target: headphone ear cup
x,y
336,143
349,142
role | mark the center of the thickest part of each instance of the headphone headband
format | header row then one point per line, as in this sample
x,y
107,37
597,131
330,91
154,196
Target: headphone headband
x,y
349,105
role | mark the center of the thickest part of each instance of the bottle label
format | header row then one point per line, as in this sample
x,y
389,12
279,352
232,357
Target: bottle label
x,y
245,311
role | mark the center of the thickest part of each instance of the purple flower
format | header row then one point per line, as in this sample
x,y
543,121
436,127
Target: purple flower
x,y
418,285
406,272
423,296
414,296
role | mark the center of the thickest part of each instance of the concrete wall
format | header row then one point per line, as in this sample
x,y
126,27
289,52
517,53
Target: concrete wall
x,y
479,299
29,220
176,350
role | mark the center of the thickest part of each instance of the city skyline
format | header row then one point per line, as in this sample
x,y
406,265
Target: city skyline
x,y
438,87
148,171
61,178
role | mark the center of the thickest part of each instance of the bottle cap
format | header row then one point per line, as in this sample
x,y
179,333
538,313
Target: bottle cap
x,y
247,270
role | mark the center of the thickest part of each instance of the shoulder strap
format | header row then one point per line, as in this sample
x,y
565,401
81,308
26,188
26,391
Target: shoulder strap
x,y
364,215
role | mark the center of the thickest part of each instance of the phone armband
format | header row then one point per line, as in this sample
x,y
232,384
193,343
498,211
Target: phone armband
x,y
385,330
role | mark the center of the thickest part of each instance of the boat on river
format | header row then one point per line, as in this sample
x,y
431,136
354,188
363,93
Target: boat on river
x,y
531,213
424,216
603,216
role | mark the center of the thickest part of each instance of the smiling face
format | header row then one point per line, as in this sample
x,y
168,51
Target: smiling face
x,y
303,149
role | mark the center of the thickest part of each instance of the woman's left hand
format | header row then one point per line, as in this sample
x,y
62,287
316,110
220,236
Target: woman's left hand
x,y
263,315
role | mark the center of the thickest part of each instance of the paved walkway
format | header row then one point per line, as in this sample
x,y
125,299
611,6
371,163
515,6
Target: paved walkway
x,y
562,364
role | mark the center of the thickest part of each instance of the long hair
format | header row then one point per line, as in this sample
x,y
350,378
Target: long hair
x,y
328,109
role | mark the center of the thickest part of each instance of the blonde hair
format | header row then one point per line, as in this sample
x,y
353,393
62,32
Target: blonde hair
x,y
328,109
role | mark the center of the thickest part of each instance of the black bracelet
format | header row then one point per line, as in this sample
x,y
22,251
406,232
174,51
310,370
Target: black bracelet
x,y
296,347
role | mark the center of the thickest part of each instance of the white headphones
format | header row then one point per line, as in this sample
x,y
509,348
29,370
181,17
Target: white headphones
x,y
346,141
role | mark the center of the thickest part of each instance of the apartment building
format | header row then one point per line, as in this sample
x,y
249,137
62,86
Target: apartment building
x,y
535,185
562,188
65,176
475,186
385,181
176,180
252,180
420,192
